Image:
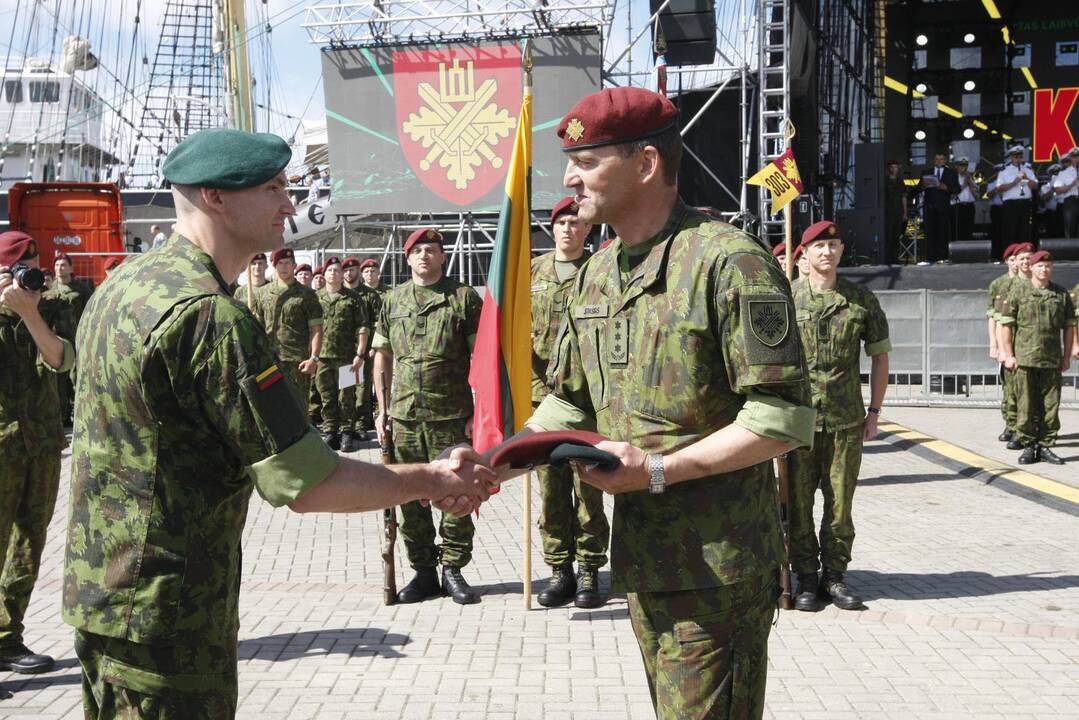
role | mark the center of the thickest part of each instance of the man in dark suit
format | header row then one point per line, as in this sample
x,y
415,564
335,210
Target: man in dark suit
x,y
938,207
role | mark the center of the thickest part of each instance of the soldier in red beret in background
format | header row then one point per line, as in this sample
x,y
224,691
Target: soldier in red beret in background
x,y
318,278
303,274
258,278
375,291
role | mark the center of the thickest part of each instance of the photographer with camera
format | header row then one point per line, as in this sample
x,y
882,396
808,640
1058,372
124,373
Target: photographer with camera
x,y
31,436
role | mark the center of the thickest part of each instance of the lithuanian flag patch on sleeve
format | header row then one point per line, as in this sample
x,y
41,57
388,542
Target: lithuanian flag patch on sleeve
x,y
268,377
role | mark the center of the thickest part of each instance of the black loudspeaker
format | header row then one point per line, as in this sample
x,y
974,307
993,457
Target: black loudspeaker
x,y
1061,248
969,251
869,173
689,29
863,235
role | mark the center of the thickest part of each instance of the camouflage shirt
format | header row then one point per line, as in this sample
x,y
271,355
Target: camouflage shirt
x,y
696,336
30,422
240,292
1038,316
428,331
996,293
288,313
834,324
1005,290
344,319
75,295
549,299
181,409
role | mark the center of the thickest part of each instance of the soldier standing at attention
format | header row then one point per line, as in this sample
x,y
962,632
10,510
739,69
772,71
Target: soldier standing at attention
x,y
73,294
258,278
1039,315
1021,256
345,330
423,345
996,294
351,268
303,274
365,398
679,344
182,411
571,522
292,316
31,440
318,278
835,318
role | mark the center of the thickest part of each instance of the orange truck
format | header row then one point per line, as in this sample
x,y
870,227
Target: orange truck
x,y
84,220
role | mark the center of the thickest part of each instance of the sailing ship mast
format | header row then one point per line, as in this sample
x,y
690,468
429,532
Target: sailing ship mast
x,y
238,71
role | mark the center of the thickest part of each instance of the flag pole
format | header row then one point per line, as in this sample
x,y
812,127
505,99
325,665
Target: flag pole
x,y
526,500
788,212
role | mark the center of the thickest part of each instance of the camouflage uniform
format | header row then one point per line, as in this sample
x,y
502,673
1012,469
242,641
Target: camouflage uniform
x,y
832,324
240,291
365,398
664,344
998,291
571,522
289,313
74,295
182,411
428,330
1038,317
344,320
31,440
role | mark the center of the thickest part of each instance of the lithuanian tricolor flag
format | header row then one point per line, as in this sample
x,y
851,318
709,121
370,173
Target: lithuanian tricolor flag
x,y
501,372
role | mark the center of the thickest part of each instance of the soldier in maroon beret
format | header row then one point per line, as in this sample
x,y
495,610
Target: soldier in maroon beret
x,y
351,268
303,274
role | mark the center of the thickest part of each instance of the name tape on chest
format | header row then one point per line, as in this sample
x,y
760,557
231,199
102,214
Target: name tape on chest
x,y
590,311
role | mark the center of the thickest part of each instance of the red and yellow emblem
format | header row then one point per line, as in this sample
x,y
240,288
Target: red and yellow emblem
x,y
454,116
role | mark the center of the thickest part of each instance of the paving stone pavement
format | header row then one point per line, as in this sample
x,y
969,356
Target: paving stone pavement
x,y
972,612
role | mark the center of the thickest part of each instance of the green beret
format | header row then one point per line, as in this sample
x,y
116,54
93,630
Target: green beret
x,y
226,159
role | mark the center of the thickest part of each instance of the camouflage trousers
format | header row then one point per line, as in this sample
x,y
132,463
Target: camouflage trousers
x,y
338,406
1037,394
300,381
314,404
28,487
832,465
706,651
1008,407
129,681
65,389
420,442
365,399
572,522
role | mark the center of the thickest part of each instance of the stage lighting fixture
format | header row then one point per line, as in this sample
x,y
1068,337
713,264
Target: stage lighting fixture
x,y
921,87
919,135
968,38
922,40
969,85
968,133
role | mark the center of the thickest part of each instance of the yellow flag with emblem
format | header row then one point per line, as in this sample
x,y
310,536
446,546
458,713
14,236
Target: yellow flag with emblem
x,y
782,179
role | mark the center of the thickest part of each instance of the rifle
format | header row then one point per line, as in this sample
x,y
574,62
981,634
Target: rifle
x,y
389,515
783,475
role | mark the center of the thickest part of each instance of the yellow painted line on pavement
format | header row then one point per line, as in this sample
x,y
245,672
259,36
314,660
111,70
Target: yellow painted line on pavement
x,y
1001,470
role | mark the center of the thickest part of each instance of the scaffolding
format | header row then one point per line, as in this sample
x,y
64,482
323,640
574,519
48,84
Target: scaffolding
x,y
185,90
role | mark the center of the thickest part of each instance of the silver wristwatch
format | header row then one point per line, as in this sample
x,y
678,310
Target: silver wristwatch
x,y
657,481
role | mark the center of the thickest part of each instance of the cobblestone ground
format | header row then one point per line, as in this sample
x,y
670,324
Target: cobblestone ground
x,y
972,612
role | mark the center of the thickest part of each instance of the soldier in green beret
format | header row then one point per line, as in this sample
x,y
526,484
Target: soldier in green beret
x,y
182,411
423,345
836,318
571,522
35,345
346,328
1038,337
73,293
679,343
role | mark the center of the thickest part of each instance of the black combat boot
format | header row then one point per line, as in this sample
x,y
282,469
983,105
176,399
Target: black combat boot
x,y
348,442
333,439
1014,444
20,659
588,596
1049,456
806,599
422,586
1006,435
1029,456
560,587
833,587
455,585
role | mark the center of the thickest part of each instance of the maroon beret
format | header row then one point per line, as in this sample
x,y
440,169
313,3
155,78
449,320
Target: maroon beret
x,y
565,206
303,267
423,235
331,261
350,262
780,250
282,254
796,254
369,262
823,230
1041,256
61,256
113,263
318,270
14,246
1009,251
1023,247
614,116
255,258
537,449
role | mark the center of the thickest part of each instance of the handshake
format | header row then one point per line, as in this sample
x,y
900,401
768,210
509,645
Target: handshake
x,y
466,479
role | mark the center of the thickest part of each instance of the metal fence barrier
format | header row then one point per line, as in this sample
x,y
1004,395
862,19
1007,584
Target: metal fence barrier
x,y
940,351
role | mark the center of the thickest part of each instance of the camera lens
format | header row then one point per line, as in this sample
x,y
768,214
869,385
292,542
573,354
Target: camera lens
x,y
28,278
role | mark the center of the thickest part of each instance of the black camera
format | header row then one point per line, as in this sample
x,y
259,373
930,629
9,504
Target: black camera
x,y
26,277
